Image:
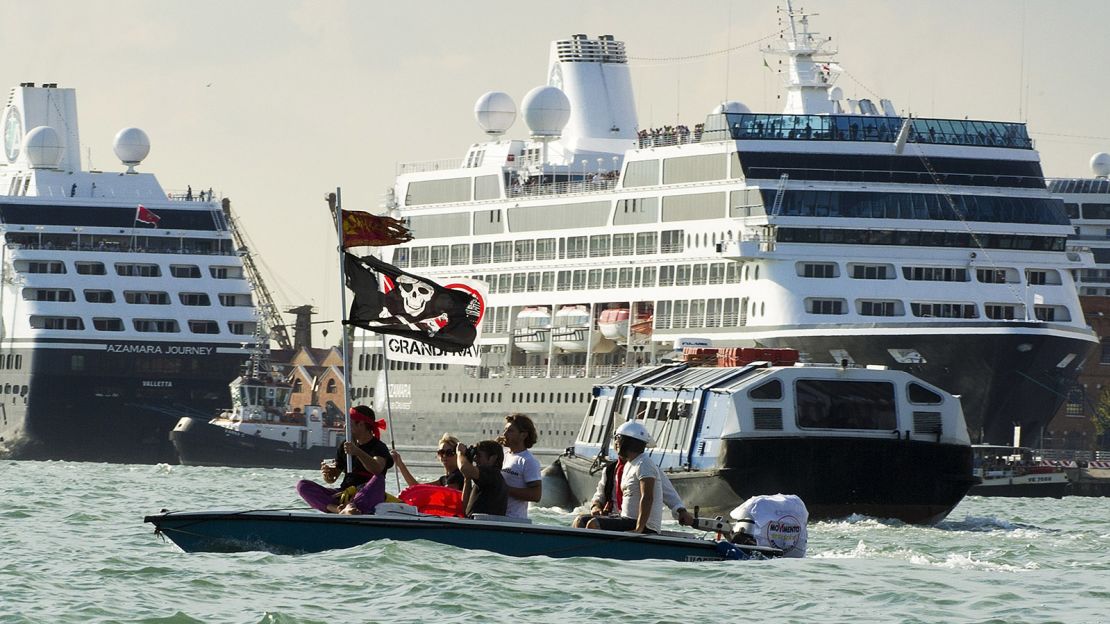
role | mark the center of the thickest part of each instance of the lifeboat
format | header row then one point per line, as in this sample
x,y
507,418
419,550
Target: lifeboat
x,y
532,330
613,324
571,331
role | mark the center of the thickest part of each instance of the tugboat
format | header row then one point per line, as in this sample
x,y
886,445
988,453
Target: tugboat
x,y
1015,471
845,439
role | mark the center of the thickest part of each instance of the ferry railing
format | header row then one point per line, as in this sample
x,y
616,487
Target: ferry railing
x,y
562,188
429,165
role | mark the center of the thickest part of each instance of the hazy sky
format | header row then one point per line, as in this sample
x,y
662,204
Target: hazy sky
x,y
273,103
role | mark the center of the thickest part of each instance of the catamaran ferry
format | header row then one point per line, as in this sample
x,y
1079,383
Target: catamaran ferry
x,y
837,227
123,307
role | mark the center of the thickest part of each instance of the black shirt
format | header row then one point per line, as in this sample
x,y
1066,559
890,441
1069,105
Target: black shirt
x,y
359,474
453,480
491,495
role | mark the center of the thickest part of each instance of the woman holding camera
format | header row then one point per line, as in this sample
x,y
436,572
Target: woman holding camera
x,y
485,491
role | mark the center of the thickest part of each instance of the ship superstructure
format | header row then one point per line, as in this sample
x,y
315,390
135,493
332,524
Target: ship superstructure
x,y
124,307
837,227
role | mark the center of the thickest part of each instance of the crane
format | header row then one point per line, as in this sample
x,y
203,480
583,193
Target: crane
x,y
270,313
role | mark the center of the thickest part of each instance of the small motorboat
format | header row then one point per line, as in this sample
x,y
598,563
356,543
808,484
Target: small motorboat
x,y
1015,471
310,531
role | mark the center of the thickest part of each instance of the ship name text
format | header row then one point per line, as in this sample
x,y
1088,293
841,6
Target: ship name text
x,y
160,349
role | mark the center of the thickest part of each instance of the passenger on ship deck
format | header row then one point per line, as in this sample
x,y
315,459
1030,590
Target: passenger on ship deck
x,y
608,498
364,487
641,485
485,491
446,454
520,468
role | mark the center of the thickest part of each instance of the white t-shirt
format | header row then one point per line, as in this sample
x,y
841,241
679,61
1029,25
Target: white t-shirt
x,y
519,469
634,471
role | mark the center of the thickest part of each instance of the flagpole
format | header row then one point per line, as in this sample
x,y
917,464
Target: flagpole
x,y
343,307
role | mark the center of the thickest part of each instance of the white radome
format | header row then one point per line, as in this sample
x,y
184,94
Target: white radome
x,y
731,106
546,111
1100,164
495,112
131,146
43,146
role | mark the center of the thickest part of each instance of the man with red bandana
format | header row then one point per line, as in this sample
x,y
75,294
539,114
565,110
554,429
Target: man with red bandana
x,y
362,488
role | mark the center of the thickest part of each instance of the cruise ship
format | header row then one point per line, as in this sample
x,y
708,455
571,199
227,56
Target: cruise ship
x,y
837,227
124,307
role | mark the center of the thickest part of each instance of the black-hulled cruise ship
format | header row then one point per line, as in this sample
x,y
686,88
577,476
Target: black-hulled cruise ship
x,y
124,308
836,227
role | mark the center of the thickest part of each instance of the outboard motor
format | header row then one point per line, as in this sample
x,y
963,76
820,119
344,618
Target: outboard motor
x,y
778,521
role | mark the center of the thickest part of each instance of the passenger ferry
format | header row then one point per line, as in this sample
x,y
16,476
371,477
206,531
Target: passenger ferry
x,y
124,307
837,227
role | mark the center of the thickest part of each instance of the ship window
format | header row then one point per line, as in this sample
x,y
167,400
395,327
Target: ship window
x,y
168,326
825,306
840,404
624,244
816,269
647,243
481,253
671,241
547,280
944,310
1000,311
503,251
519,280
701,274
991,276
682,275
71,323
647,278
89,268
879,308
599,245
146,298
681,312
609,278
663,315
713,313
46,267
76,363
1040,277
505,282
563,280
440,255
533,281
524,251
460,254
935,274
546,249
138,270
578,279
717,273
871,271
593,280
921,394
1050,313
234,300
204,327
242,328
732,273
194,299
770,391
48,294
666,275
626,279
731,313
107,324
184,270
697,313
419,256
577,246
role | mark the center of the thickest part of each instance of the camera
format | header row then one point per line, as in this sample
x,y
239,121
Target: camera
x,y
472,454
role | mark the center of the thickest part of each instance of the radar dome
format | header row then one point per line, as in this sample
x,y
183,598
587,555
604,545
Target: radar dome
x,y
43,146
131,146
495,112
1100,164
836,94
731,106
546,111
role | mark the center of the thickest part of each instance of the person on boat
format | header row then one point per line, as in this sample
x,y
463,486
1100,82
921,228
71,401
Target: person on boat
x,y
608,498
362,488
485,491
521,469
641,485
446,454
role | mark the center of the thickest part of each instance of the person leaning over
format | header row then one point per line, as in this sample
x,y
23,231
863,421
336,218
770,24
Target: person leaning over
x,y
641,485
362,488
607,499
485,491
451,476
521,469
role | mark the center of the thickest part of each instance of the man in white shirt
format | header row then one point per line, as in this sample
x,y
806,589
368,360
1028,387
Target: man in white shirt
x,y
520,468
608,498
641,485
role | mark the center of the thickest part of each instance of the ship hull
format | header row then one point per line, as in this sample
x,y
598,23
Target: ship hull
x,y
1021,487
119,406
915,482
199,443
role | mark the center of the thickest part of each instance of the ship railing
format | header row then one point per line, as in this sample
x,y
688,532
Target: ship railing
x,y
894,177
1076,455
595,184
538,372
203,195
110,247
429,165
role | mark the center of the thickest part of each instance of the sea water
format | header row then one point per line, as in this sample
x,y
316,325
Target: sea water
x,y
74,548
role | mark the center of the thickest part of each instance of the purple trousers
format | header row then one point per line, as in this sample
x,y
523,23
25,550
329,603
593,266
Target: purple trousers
x,y
319,497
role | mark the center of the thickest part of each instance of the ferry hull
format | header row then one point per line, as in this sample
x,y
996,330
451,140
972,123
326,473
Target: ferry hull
x,y
915,482
199,443
1021,487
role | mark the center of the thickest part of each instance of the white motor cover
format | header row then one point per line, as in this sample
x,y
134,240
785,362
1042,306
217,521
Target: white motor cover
x,y
778,521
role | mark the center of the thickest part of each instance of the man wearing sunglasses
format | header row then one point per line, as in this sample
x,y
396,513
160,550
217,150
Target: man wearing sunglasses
x,y
446,454
640,485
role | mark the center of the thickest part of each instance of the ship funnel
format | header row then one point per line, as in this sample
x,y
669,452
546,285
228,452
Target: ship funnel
x,y
594,75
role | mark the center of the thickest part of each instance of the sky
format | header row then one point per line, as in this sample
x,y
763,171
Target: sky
x,y
274,103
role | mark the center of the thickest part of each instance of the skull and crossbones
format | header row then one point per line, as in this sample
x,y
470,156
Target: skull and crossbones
x,y
415,294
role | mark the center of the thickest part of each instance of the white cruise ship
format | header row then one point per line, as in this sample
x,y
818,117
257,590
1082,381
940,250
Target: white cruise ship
x,y
835,227
112,328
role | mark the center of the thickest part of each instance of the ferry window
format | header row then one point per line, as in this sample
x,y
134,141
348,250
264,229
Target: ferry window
x,y
671,241
481,253
194,299
46,267
547,280
519,280
563,282
204,327
921,394
666,275
609,278
701,274
184,270
419,256
401,257
839,404
681,312
816,269
231,300
944,310
138,270
826,306
1000,311
505,282
770,391
168,326
646,243
577,246
647,278
503,251
71,323
146,298
1051,313
546,249
663,315
623,244
682,275
1039,277
593,279
440,255
732,273
879,308
991,276
599,245
717,273
731,312
89,268
625,278
524,251
935,274
460,254
242,328
107,324
871,271
578,279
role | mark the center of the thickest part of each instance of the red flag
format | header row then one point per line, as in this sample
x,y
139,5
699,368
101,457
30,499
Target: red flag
x,y
145,216
362,229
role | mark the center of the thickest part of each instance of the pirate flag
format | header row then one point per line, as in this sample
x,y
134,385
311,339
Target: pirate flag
x,y
411,306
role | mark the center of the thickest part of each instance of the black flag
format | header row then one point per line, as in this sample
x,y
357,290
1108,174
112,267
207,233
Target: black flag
x,y
415,307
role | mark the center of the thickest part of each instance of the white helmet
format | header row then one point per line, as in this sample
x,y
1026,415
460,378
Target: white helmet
x,y
636,431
